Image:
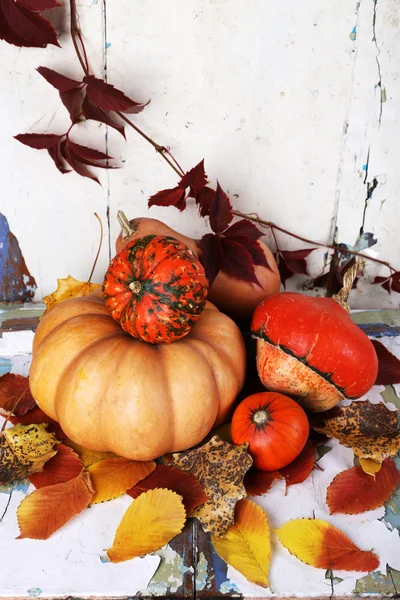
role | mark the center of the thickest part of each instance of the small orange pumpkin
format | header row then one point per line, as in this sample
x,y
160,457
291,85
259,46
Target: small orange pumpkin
x,y
275,427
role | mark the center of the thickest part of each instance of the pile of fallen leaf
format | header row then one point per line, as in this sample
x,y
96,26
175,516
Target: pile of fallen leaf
x,y
209,482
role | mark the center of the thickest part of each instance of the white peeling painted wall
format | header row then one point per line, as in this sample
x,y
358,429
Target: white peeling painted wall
x,y
294,106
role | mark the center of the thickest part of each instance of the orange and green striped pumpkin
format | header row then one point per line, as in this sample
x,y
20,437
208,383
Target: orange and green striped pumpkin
x,y
156,289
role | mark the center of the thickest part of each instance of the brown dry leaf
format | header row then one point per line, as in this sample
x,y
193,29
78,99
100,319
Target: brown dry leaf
x,y
45,510
69,287
15,395
371,430
24,449
113,477
89,457
220,468
150,522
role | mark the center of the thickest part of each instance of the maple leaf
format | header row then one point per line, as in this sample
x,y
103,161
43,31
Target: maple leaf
x,y
371,430
389,365
353,491
24,449
15,395
114,476
220,468
302,466
291,262
69,287
258,483
319,544
36,416
63,466
47,509
22,25
150,522
183,483
246,544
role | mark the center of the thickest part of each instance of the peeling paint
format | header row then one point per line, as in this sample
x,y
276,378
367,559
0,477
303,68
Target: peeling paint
x,y
168,577
5,365
379,583
353,34
202,572
35,592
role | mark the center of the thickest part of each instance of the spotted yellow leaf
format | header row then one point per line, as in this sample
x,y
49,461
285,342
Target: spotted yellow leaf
x,y
69,287
246,544
24,449
319,544
150,522
114,476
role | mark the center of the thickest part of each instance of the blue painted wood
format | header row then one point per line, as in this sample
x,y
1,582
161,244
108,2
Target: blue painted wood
x,y
16,283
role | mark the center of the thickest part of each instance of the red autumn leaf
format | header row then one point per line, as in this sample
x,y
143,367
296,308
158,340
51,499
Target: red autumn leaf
x,y
183,483
384,281
94,113
63,466
39,141
396,282
353,491
237,261
89,156
57,80
76,164
296,260
221,211
389,365
172,197
60,163
22,26
37,416
107,97
204,199
211,255
259,482
196,178
301,467
72,92
39,5
15,395
244,228
254,248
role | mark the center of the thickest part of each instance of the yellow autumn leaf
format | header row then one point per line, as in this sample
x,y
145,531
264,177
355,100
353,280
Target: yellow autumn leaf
x,y
319,544
69,287
246,544
369,466
24,449
89,457
47,509
150,522
114,476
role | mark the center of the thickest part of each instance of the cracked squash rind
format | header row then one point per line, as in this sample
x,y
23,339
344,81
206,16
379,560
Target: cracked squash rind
x,y
111,392
311,349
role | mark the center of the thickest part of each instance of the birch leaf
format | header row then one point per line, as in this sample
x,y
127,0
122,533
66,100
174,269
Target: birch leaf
x,y
319,544
114,476
24,449
63,466
150,522
246,544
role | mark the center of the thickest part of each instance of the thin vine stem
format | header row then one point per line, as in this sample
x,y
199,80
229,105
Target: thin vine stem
x,y
99,247
173,163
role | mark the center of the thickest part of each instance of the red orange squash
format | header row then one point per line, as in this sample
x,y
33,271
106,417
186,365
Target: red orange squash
x,y
234,297
275,426
156,289
310,348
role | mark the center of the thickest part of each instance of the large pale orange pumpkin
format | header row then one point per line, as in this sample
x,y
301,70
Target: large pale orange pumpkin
x,y
111,392
236,298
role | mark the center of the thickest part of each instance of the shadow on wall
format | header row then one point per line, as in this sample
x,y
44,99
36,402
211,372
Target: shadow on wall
x,y
16,283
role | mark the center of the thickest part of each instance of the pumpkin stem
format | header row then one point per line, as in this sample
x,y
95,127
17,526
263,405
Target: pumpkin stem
x,y
126,228
260,417
348,280
135,287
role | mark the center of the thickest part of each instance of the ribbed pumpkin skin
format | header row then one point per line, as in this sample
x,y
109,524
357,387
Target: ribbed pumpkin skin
x,y
156,289
111,392
310,348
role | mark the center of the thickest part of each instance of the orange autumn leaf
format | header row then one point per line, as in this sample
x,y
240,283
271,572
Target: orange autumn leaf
x,y
150,522
69,287
319,544
259,482
45,510
114,476
246,544
183,483
63,466
15,395
353,491
301,467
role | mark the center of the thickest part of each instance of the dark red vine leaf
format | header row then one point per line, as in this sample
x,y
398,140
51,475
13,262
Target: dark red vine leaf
x,y
211,255
244,228
204,199
94,113
291,262
392,282
389,365
385,283
40,5
172,197
57,80
107,97
301,467
89,156
254,248
221,211
196,178
71,91
237,261
39,141
60,163
396,282
22,25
